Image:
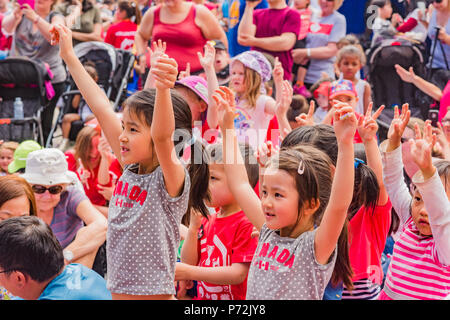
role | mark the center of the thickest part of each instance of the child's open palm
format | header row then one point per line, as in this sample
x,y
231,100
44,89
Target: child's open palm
x,y
283,102
421,147
367,125
207,59
225,101
278,72
344,123
159,48
398,124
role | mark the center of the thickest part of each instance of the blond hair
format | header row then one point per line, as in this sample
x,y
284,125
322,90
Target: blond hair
x,y
350,50
252,82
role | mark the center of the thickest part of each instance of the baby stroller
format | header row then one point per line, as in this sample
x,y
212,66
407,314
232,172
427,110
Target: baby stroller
x,y
29,80
113,67
387,87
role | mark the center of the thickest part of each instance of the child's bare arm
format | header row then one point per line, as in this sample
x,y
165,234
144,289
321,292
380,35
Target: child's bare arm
x,y
231,275
367,128
165,70
341,195
207,62
189,251
234,164
95,97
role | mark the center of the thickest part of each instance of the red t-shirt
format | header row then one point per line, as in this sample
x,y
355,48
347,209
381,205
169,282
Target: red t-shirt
x,y
91,188
225,241
121,35
5,41
368,233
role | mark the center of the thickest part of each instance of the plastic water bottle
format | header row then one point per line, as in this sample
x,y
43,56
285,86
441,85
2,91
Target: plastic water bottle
x,y
18,108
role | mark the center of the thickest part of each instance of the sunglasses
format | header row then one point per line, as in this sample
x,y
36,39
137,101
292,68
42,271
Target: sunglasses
x,y
41,189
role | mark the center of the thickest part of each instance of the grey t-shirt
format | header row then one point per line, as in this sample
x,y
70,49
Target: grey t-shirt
x,y
286,268
34,46
323,30
143,233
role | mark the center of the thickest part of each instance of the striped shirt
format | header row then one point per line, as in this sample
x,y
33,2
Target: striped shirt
x,y
415,271
420,265
363,289
66,222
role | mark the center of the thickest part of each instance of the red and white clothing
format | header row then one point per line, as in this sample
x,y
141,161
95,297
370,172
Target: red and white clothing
x,y
368,232
121,35
305,20
225,240
420,265
90,188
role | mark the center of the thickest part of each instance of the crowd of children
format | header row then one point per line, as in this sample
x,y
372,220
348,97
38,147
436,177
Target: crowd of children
x,y
238,184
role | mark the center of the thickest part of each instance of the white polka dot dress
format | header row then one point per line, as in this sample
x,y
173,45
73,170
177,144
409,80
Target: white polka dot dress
x,y
143,233
286,268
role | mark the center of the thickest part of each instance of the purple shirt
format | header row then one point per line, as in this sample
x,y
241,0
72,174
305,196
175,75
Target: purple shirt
x,y
66,223
275,22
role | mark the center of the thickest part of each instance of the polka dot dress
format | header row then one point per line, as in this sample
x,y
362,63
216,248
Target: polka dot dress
x,y
286,269
143,233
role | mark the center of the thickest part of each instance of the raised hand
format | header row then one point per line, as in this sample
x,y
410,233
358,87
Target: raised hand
x,y
265,152
62,35
344,123
278,71
226,103
397,127
185,73
208,57
307,119
195,220
367,125
421,148
164,71
405,75
159,49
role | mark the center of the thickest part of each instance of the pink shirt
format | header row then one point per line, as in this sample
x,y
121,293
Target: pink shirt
x,y
305,19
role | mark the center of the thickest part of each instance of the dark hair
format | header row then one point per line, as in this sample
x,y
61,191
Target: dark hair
x,y
321,136
12,186
380,3
27,244
142,104
315,184
298,106
131,10
366,190
215,154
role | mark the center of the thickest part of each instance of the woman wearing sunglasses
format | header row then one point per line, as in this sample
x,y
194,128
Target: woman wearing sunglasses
x,y
77,224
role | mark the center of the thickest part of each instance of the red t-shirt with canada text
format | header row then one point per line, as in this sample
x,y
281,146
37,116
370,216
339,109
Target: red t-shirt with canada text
x,y
225,241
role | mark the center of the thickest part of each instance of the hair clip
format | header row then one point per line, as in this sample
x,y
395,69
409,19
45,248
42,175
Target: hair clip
x,y
358,162
301,167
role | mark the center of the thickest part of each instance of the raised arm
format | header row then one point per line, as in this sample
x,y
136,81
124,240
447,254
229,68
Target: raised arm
x,y
189,251
432,190
233,162
94,96
367,129
207,62
165,71
341,195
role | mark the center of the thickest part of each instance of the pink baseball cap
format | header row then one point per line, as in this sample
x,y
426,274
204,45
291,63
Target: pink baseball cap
x,y
196,84
323,89
342,87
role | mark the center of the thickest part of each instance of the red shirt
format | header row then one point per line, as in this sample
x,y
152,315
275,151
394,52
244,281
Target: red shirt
x,y
121,35
225,241
368,233
91,188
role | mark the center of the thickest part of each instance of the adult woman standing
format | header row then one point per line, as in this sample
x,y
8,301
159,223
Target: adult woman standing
x,y
31,38
184,26
326,29
79,227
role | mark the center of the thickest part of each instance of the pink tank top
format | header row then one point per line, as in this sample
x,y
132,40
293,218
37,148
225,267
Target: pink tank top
x,y
183,39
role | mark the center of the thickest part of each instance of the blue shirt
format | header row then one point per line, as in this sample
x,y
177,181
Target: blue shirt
x,y
235,11
76,282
